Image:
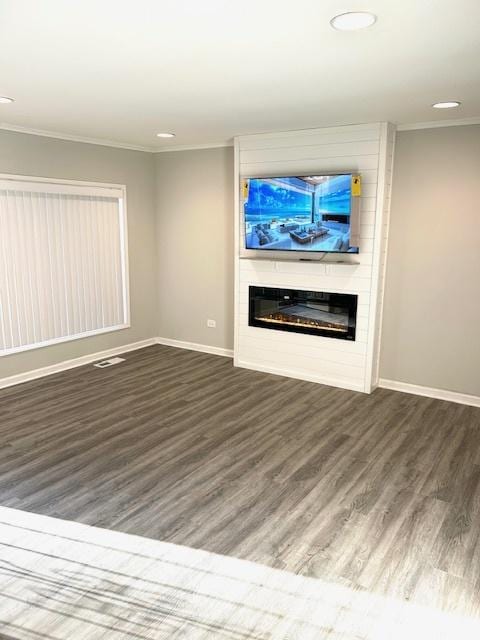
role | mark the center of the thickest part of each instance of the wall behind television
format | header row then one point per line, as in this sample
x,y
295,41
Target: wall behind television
x,y
39,156
195,245
432,299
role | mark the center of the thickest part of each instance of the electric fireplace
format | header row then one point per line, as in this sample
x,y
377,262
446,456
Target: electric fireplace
x,y
319,313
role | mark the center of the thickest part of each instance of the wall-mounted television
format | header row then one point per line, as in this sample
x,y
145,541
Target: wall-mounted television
x,y
312,214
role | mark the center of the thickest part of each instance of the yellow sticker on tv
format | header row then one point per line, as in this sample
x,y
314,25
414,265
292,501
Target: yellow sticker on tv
x,y
356,186
245,185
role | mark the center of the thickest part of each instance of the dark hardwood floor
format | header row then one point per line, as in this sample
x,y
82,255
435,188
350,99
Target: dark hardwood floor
x,y
378,492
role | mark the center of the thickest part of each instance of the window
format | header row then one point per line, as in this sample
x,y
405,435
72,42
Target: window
x,y
63,261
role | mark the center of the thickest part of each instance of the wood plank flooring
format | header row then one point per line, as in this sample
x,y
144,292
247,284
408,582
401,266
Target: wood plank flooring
x,y
378,493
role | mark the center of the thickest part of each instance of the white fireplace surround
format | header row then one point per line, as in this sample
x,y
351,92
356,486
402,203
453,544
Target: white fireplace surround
x,y
368,150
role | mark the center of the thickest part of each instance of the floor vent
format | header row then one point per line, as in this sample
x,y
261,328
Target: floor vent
x,y
108,363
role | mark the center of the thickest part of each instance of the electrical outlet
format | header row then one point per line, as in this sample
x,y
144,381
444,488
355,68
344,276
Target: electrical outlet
x,y
212,324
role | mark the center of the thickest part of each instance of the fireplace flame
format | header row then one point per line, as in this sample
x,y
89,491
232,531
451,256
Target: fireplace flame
x,y
298,321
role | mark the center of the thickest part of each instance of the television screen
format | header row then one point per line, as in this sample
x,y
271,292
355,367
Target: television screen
x,y
305,213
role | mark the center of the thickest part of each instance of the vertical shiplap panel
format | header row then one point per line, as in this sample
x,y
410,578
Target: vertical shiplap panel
x,y
61,265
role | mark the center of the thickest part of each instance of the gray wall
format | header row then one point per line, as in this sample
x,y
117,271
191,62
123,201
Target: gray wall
x,y
181,249
432,299
39,156
195,245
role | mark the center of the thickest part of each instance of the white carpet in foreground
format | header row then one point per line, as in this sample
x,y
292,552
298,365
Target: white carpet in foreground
x,y
61,580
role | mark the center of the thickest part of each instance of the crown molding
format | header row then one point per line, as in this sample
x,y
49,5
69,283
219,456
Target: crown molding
x,y
438,123
193,147
5,126
73,138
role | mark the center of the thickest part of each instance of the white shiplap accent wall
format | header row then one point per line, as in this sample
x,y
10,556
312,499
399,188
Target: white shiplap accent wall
x,y
366,149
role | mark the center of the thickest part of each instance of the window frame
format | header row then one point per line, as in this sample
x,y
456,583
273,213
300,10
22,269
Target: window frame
x,y
87,188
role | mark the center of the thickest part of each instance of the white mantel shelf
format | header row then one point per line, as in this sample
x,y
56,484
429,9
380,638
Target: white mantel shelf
x,y
303,260
368,150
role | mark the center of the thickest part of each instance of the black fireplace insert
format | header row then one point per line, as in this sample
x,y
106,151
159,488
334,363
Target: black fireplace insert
x,y
332,315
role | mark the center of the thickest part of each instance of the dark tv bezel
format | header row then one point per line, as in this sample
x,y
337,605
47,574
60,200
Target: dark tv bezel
x,y
248,252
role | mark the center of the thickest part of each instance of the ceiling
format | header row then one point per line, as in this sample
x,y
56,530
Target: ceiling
x,y
118,70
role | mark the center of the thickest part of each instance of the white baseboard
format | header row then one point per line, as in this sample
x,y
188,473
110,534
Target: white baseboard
x,y
194,346
394,385
71,364
299,375
218,351
430,392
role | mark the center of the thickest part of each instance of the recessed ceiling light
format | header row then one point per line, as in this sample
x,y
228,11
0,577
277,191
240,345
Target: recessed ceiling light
x,y
5,100
165,135
353,20
446,105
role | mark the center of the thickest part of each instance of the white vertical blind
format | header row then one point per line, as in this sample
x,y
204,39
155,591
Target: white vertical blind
x,y
63,263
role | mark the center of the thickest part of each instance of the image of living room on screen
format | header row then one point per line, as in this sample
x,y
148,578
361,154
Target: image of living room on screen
x,y
308,213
